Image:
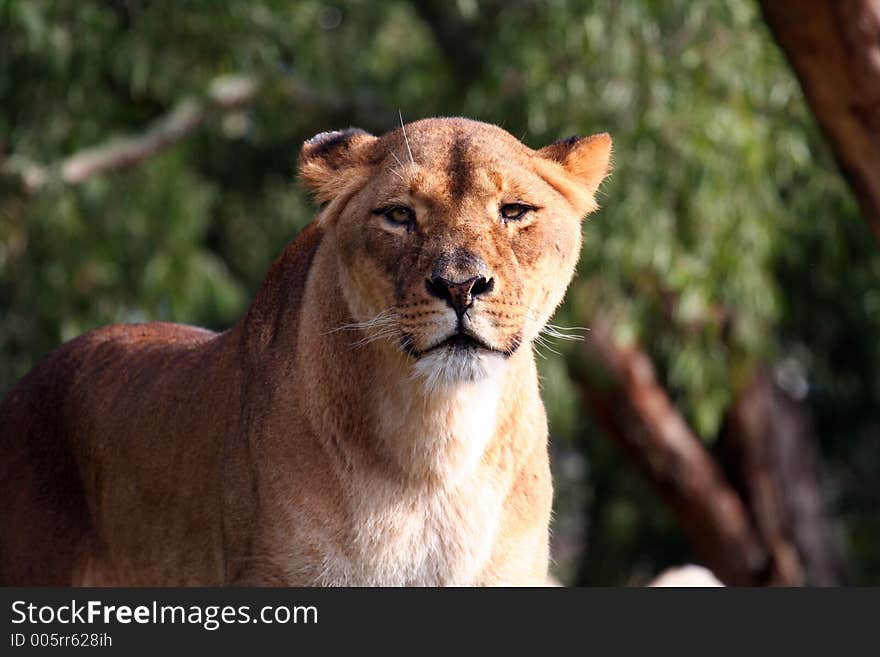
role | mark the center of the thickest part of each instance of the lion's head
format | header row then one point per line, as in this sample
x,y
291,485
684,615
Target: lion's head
x,y
456,242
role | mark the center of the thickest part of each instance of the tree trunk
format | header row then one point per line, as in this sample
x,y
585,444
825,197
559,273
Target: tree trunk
x,y
834,48
636,412
764,525
768,450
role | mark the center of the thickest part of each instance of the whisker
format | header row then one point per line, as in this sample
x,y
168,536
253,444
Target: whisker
x,y
556,331
405,138
538,351
540,340
559,332
568,328
386,316
383,325
386,333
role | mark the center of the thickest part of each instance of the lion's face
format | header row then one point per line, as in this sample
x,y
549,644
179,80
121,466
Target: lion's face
x,y
456,242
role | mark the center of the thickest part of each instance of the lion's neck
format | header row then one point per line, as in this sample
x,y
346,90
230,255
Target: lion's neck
x,y
441,432
382,411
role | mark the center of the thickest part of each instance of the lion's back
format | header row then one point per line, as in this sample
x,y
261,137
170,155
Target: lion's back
x,y
86,396
97,367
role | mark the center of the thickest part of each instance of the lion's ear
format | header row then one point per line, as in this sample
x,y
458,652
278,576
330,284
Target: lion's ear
x,y
330,160
588,159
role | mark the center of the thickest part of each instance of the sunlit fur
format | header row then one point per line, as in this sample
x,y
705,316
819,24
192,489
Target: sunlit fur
x,y
455,177
449,367
334,436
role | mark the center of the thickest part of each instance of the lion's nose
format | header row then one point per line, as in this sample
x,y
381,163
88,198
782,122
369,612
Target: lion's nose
x,y
459,295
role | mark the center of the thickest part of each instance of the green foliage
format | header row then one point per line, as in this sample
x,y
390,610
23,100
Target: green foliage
x,y
726,237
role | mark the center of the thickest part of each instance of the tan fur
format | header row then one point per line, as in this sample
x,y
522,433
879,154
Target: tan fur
x,y
322,441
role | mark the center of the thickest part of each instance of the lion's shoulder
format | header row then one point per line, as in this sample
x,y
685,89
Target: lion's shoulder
x,y
281,294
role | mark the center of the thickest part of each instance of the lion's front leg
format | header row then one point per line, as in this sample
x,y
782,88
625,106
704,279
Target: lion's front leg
x,y
521,554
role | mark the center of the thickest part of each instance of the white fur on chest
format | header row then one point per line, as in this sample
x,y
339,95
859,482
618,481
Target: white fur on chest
x,y
434,531
433,537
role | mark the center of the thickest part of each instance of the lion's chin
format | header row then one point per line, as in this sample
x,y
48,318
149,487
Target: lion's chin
x,y
453,366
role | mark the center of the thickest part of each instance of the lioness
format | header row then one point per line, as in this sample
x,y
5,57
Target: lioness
x,y
374,419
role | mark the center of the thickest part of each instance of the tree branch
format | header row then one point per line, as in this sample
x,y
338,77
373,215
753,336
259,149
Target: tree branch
x,y
635,410
768,449
224,94
463,40
834,48
455,38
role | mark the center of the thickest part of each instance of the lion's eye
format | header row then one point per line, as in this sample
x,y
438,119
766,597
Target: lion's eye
x,y
398,214
513,211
